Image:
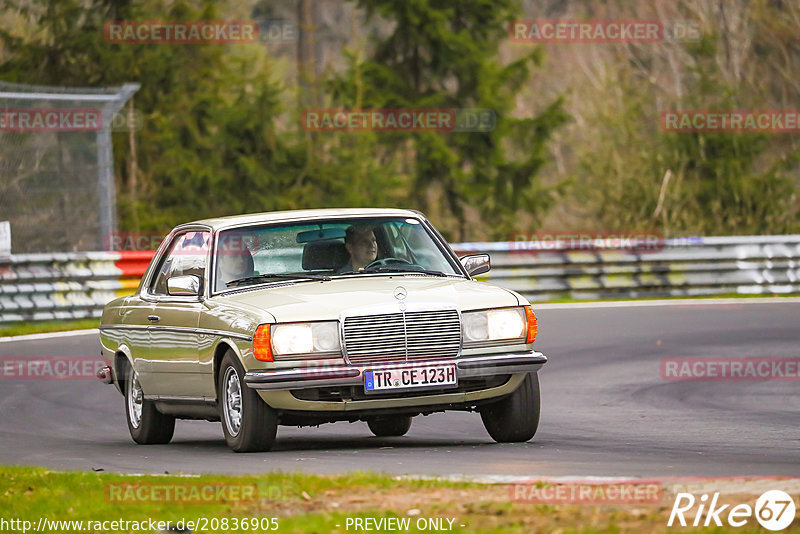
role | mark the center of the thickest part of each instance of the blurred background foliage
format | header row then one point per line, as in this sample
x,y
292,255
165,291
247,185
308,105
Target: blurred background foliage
x,y
577,143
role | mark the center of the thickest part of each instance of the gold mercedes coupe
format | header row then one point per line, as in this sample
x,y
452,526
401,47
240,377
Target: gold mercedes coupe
x,y
315,316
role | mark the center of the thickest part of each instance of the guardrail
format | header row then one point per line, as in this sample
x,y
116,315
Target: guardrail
x,y
681,267
36,287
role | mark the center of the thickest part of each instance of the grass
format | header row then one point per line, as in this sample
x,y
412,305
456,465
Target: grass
x,y
23,327
312,503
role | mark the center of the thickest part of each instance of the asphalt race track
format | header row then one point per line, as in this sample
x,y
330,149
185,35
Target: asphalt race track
x,y
606,410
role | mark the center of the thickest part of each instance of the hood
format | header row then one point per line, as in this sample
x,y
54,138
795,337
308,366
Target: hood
x,y
321,301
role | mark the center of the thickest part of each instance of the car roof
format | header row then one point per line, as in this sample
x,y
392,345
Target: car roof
x,y
294,215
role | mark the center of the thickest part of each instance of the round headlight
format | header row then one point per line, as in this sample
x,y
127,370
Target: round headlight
x,y
326,337
475,326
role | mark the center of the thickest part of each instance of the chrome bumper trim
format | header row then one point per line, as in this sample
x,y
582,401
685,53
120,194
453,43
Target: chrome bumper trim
x,y
344,375
501,364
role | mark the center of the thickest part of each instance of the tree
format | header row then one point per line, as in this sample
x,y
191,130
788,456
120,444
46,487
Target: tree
x,y
441,54
209,143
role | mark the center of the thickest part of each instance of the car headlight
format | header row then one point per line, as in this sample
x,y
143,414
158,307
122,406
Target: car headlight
x,y
311,339
495,325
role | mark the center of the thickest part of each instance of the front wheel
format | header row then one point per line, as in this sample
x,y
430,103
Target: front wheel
x,y
249,423
146,424
515,418
396,425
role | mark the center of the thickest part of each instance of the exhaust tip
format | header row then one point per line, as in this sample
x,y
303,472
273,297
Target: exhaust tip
x,y
104,374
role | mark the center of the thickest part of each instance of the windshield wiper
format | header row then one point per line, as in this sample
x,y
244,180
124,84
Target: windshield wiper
x,y
397,270
288,276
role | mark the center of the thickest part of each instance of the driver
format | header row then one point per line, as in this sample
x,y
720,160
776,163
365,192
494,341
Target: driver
x,y
359,240
234,260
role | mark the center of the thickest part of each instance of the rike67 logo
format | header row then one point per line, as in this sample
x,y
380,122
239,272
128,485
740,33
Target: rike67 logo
x,y
774,510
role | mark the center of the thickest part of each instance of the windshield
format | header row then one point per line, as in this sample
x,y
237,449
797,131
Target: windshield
x,y
323,249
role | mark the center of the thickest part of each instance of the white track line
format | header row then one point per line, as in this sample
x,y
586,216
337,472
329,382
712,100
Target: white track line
x,y
732,485
50,335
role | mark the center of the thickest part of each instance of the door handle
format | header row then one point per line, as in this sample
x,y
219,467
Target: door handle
x,y
153,318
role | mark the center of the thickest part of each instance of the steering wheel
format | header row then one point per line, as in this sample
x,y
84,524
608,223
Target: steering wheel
x,y
385,262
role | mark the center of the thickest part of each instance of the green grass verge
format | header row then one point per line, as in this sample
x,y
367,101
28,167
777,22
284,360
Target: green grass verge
x,y
23,327
305,503
31,493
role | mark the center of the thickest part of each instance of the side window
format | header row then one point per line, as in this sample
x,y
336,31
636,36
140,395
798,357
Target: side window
x,y
186,255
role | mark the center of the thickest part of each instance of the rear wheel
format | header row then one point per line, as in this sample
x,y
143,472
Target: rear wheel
x,y
396,425
249,423
515,418
146,424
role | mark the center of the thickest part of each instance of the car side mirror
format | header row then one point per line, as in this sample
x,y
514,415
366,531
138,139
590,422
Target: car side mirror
x,y
187,285
476,264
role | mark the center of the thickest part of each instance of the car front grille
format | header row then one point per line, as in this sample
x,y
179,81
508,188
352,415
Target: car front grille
x,y
398,337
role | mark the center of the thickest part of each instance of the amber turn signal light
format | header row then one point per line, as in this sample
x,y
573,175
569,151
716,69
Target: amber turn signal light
x,y
530,317
262,348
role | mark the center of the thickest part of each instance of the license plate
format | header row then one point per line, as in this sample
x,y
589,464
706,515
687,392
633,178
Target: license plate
x,y
410,377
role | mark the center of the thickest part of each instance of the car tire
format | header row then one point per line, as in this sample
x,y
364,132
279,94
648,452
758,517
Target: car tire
x,y
396,425
146,424
249,423
515,418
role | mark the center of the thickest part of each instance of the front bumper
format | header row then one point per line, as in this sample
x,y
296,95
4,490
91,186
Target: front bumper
x,y
353,375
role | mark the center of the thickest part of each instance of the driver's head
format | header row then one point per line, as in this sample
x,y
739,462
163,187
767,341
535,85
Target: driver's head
x,y
359,240
233,258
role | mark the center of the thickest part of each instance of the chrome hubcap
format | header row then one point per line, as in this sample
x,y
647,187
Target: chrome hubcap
x,y
135,398
233,402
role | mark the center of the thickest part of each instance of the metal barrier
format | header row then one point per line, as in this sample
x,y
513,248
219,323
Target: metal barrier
x,y
37,287
679,267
